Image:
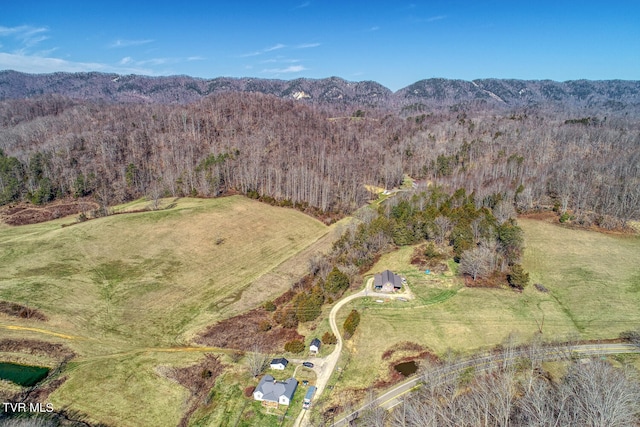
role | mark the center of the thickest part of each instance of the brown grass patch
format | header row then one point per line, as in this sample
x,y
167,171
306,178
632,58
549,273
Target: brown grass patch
x,y
243,333
42,348
435,262
403,346
496,280
16,310
199,379
25,213
547,216
41,393
394,376
587,221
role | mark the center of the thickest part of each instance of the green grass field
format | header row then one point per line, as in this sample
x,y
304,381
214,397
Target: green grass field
x,y
128,293
120,290
594,293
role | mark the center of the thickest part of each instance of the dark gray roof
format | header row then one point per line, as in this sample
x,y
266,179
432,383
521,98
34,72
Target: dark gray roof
x,y
315,342
385,277
272,389
282,360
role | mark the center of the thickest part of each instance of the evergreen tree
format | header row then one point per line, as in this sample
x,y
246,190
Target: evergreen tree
x,y
518,278
351,323
336,282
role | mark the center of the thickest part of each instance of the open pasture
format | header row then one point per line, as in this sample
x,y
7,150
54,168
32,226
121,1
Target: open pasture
x,y
593,283
125,290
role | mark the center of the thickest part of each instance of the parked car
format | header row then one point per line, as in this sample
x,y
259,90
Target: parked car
x,y
307,364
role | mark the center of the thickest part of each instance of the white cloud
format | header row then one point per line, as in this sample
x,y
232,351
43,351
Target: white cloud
x,y
376,28
196,58
281,60
302,5
32,41
307,45
21,31
39,64
158,61
274,47
22,55
436,18
26,36
265,50
291,69
127,43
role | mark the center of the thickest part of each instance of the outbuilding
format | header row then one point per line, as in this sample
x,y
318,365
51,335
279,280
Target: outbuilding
x,y
314,347
279,363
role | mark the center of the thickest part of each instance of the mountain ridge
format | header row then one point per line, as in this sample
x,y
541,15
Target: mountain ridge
x,y
614,95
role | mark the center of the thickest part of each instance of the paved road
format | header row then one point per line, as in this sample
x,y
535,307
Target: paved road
x,y
392,397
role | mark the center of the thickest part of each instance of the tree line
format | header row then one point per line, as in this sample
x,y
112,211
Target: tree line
x,y
299,155
511,386
482,236
591,393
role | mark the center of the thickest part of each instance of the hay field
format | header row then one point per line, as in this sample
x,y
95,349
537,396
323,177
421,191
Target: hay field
x,y
123,289
594,293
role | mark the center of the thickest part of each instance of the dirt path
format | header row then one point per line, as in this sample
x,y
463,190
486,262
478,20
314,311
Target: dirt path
x,y
41,331
329,363
120,353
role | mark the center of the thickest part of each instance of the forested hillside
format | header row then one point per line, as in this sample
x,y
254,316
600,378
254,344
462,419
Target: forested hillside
x,y
319,157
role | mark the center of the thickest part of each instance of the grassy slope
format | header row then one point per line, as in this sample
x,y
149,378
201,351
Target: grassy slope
x,y
594,278
594,284
127,285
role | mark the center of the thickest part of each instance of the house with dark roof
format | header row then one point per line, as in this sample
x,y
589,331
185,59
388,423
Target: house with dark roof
x,y
273,393
314,347
387,281
279,363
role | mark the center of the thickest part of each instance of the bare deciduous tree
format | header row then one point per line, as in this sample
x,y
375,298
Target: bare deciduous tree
x,y
590,394
443,226
476,262
603,395
256,360
504,211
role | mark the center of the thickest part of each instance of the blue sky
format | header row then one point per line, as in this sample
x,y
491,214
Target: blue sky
x,y
392,42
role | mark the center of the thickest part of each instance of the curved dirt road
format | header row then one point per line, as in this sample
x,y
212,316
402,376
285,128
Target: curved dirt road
x,y
329,364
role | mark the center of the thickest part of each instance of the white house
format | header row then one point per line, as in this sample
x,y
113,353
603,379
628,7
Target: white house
x,y
273,393
314,347
279,363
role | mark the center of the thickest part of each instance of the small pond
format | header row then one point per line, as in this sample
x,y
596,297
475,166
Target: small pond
x,y
407,368
23,375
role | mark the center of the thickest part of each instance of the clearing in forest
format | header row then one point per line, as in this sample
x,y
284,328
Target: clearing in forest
x,y
593,287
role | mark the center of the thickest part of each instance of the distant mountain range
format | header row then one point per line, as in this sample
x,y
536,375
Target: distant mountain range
x,y
607,95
